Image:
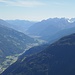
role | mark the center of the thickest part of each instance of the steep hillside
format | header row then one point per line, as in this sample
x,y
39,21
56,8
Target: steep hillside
x,y
9,39
57,59
34,50
13,42
4,23
61,34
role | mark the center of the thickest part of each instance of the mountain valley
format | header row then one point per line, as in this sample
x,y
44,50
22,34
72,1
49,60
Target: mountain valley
x,y
56,59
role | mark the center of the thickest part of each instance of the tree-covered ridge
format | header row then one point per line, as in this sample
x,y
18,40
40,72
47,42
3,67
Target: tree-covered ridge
x,y
57,59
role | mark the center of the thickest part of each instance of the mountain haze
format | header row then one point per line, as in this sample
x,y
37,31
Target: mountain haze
x,y
61,34
47,28
20,25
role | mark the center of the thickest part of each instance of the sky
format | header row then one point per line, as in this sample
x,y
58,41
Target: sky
x,y
36,10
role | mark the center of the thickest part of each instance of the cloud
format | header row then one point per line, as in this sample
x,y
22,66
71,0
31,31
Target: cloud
x,y
22,3
2,0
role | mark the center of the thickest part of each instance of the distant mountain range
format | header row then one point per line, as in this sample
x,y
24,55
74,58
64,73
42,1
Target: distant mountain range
x,y
72,20
34,50
57,59
50,27
20,25
53,58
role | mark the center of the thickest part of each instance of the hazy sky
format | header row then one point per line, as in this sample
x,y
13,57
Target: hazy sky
x,y
36,9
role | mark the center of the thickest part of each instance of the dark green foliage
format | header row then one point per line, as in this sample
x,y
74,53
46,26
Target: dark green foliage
x,y
57,59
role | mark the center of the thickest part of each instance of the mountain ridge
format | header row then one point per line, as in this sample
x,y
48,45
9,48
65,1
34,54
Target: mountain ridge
x,y
57,59
12,42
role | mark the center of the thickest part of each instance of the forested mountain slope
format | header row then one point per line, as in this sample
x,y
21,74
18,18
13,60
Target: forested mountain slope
x,y
13,42
57,59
